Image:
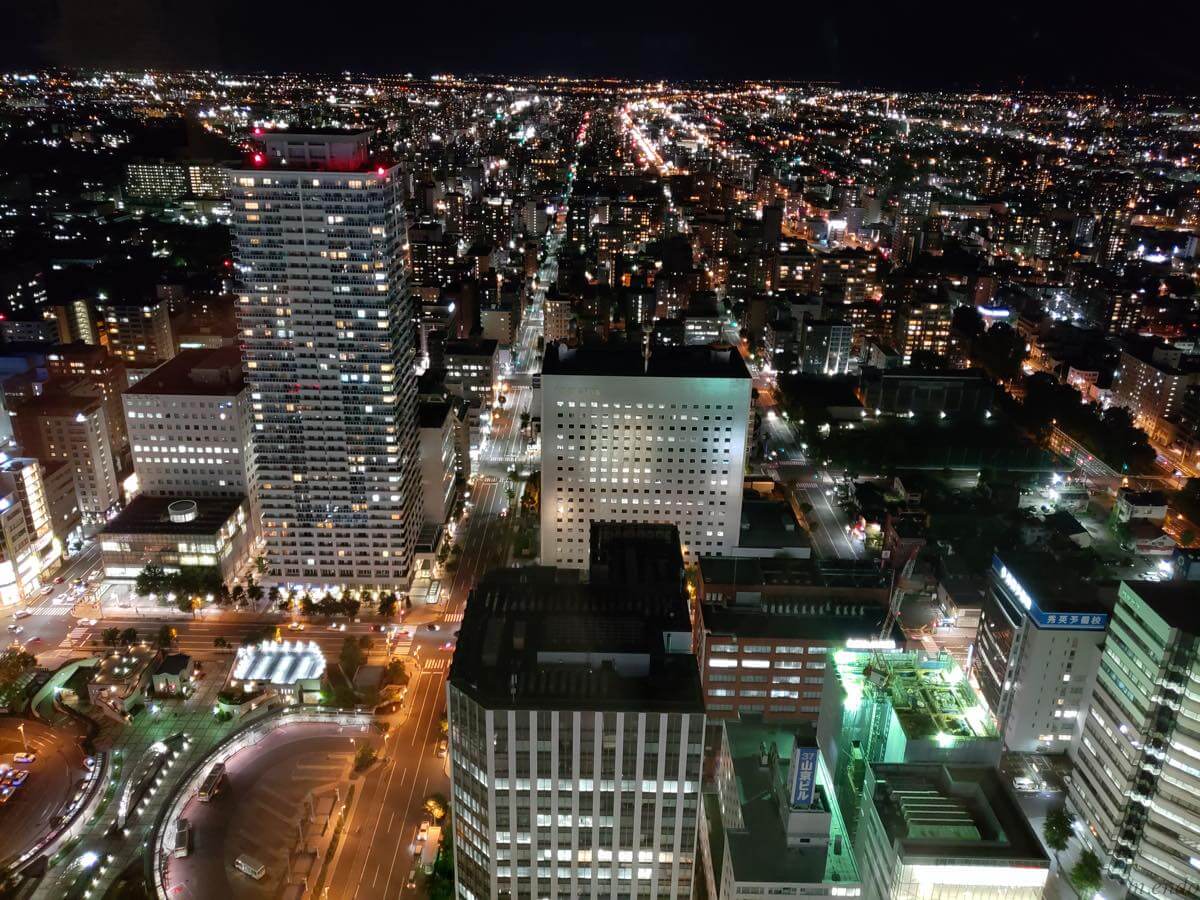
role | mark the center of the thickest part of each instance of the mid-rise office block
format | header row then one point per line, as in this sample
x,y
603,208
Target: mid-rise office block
x,y
946,831
29,547
1136,783
326,327
74,429
189,426
634,438
139,333
771,826
438,449
1040,637
576,738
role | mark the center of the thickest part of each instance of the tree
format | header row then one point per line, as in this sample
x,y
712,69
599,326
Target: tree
x,y
254,592
111,637
15,663
220,643
363,757
151,580
238,595
185,603
387,604
1086,875
437,805
165,638
274,597
129,636
351,656
1057,830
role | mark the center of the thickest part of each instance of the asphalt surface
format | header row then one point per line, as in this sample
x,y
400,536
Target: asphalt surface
x,y
52,781
257,812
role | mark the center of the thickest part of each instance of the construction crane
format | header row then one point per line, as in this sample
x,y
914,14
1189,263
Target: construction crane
x,y
897,595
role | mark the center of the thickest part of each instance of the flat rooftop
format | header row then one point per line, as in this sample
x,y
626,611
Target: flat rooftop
x,y
202,372
537,643
962,812
771,524
149,515
1054,587
799,572
1177,602
795,620
628,360
759,852
636,553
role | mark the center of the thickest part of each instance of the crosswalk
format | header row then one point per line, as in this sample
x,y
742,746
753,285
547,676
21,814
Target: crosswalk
x,y
50,611
437,665
453,617
76,637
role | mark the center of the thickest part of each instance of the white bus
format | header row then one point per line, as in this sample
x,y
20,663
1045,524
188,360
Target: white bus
x,y
212,782
183,837
250,866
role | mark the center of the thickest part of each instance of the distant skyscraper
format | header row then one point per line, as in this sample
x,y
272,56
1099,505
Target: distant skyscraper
x,y
630,439
326,326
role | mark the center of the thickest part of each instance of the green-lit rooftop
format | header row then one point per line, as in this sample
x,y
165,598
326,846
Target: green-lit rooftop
x,y
928,693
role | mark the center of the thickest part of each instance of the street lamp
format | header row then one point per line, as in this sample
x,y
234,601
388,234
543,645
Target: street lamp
x,y
24,744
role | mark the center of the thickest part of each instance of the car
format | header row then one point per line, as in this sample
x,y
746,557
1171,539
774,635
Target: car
x,y
59,579
15,628
36,639
442,747
90,762
448,645
423,831
335,626
1022,783
91,621
5,792
48,590
22,613
429,626
412,879
295,626
16,779
25,757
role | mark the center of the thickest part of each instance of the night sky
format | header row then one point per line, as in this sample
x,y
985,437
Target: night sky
x,y
901,44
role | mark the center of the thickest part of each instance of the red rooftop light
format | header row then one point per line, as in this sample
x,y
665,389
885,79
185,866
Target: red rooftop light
x,y
380,171
258,159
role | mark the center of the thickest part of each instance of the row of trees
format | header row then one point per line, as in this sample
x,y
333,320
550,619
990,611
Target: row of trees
x,y
1086,875
191,584
1109,433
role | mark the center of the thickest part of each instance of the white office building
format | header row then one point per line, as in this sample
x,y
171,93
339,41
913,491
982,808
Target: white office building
x,y
189,426
325,321
1040,639
633,438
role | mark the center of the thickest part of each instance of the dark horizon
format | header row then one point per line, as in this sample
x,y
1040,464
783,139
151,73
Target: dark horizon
x,y
1018,48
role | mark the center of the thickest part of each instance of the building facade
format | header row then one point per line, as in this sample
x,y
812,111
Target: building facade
x,y
576,738
1136,783
189,426
633,439
326,326
1037,654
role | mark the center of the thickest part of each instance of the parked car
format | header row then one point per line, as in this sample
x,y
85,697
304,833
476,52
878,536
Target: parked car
x,y
25,757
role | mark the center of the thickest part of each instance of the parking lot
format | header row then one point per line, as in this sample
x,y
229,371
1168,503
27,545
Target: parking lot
x,y
53,778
